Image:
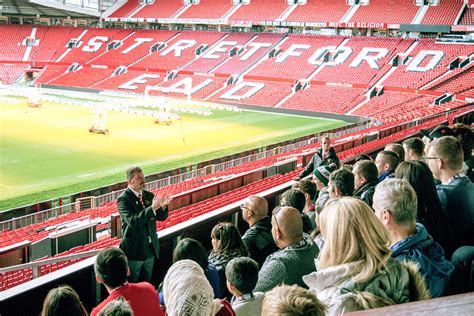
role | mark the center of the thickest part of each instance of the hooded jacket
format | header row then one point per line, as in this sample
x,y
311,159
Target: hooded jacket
x,y
399,283
428,254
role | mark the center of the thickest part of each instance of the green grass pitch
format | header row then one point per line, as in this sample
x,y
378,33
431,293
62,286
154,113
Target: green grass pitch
x,y
47,152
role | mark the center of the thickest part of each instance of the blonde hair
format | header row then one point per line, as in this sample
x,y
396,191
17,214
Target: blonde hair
x,y
352,233
286,300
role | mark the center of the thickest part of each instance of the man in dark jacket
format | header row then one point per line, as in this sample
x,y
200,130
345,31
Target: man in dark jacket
x,y
139,210
365,179
324,156
258,238
395,205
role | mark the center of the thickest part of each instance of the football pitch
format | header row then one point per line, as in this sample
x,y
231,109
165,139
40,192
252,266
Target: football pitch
x,y
48,152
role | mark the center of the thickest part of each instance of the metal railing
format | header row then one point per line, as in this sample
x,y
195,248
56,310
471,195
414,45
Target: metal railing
x,y
96,201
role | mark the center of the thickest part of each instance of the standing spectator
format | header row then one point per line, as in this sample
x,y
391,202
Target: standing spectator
x,y
117,307
464,135
414,149
296,198
341,183
258,238
386,162
63,300
324,156
456,191
429,211
321,179
296,255
111,269
188,248
398,149
286,300
139,210
355,269
395,206
226,245
365,179
188,292
242,276
309,189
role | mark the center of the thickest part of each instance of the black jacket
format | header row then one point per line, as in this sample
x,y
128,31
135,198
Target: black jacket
x,y
318,161
259,240
366,192
139,223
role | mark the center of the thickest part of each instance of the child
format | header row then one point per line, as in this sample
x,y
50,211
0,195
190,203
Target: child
x,y
242,277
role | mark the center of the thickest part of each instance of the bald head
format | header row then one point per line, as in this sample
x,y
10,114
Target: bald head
x,y
254,209
287,226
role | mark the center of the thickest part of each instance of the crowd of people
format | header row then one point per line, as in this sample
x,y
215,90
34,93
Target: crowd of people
x,y
381,232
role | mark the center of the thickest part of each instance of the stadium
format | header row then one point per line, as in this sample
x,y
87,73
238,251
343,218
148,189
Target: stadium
x,y
216,100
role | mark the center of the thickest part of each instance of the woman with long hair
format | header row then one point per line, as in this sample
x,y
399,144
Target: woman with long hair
x,y
227,244
63,300
355,268
430,212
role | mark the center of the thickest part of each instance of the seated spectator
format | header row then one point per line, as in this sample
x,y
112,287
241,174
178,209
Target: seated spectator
x,y
111,269
296,198
414,149
365,179
456,191
309,189
437,132
324,156
188,248
226,245
462,279
63,300
429,210
242,276
398,149
117,307
386,162
395,205
341,183
286,300
321,179
355,269
464,135
258,238
188,292
296,255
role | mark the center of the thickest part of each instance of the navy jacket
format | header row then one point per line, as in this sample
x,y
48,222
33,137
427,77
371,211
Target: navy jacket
x,y
429,256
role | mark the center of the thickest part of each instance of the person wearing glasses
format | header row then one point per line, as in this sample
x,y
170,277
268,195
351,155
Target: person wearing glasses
x,y
296,255
324,156
258,238
456,191
355,267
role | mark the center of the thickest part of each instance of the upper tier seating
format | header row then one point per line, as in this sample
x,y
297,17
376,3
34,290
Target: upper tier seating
x,y
207,9
206,63
160,9
468,17
386,11
52,42
126,9
294,67
167,60
319,11
11,40
364,73
463,81
402,77
129,52
238,64
260,10
444,13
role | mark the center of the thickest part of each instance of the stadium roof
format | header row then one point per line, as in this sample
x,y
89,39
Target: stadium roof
x,y
54,8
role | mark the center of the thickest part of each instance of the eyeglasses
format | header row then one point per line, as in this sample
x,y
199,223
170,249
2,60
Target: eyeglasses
x,y
274,213
427,158
243,207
